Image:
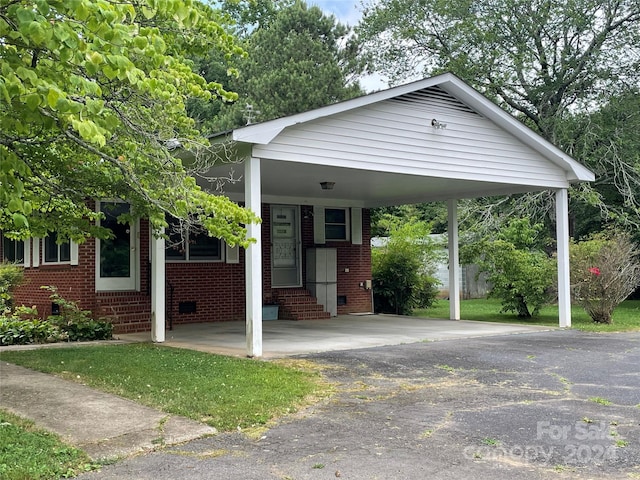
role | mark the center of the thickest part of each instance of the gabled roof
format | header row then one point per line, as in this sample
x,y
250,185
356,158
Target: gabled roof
x,y
264,133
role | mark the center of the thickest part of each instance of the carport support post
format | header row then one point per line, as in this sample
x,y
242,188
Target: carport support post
x,y
562,240
157,289
253,259
454,260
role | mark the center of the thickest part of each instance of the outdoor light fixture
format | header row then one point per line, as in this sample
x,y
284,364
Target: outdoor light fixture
x,y
327,185
438,124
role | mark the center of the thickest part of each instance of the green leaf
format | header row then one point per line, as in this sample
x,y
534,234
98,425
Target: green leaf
x,y
43,7
20,221
52,97
33,101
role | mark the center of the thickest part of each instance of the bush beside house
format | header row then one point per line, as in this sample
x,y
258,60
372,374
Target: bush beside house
x,y
22,325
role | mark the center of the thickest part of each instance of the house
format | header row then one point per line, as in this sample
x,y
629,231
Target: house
x,y
313,178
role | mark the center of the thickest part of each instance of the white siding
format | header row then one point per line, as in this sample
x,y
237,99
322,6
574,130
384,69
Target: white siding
x,y
471,147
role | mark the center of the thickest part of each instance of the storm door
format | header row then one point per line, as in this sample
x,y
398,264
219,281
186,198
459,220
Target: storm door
x,y
285,246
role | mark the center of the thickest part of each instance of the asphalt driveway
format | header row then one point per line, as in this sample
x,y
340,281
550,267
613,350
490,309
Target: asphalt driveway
x,y
561,404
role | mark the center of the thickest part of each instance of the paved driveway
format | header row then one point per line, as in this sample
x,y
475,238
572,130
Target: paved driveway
x,y
560,404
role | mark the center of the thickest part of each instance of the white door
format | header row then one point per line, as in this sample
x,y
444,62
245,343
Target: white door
x,y
116,257
285,246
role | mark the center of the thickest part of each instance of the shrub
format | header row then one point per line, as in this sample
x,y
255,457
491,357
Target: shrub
x,y
605,270
11,275
22,326
403,269
521,274
76,323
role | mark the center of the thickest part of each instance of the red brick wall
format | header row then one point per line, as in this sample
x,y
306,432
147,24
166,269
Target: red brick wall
x,y
217,288
355,258
129,311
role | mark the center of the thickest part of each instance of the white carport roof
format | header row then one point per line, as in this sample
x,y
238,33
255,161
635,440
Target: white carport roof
x,y
435,139
381,149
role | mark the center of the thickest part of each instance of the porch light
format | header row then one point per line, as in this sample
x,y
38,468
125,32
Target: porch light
x,y
438,124
327,185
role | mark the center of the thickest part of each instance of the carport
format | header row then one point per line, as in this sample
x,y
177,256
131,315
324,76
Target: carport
x,y
282,338
433,140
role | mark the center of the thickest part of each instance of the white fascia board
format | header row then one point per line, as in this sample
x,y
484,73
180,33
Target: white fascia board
x,y
481,104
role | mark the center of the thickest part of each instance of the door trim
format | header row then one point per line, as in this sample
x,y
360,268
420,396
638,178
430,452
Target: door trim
x,y
298,230
131,283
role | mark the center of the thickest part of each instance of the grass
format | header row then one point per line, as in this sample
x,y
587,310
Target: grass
x,y
27,452
625,318
224,392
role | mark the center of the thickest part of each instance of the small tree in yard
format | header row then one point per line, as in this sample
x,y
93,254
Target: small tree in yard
x,y
403,268
604,272
519,270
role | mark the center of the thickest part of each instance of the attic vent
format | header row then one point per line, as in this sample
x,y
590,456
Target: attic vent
x,y
433,97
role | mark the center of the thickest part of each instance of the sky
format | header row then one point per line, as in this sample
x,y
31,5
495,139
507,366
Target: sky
x,y
346,11
349,12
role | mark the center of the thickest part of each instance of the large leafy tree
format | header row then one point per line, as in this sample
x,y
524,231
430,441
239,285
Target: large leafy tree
x,y
297,59
92,99
542,60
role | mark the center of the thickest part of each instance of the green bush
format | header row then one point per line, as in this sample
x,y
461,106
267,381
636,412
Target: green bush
x,y
403,269
11,275
519,271
605,270
22,327
77,324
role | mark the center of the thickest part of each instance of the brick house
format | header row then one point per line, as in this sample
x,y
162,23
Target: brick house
x,y
313,177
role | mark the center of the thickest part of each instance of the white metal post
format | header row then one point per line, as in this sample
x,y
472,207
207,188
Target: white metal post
x,y
454,260
562,239
157,289
253,260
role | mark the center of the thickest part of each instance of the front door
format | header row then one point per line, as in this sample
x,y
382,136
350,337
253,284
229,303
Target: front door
x,y
285,246
116,257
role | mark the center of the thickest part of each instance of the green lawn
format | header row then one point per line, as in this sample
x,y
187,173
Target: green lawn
x,y
625,318
224,392
28,453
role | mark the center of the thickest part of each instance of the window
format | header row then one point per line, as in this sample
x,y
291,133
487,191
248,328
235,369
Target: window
x,y
336,224
12,250
54,252
190,246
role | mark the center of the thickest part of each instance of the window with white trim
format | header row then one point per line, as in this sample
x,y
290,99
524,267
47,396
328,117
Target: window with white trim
x,y
336,223
12,250
189,246
55,252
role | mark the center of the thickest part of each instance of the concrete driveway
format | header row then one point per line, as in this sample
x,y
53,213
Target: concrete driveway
x,y
560,404
284,337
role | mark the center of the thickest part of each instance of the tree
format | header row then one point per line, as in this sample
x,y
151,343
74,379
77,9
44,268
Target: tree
x,y
93,99
542,60
403,268
519,270
608,141
297,59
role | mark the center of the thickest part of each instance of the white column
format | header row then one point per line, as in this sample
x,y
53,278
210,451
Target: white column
x,y
158,304
562,239
454,260
253,259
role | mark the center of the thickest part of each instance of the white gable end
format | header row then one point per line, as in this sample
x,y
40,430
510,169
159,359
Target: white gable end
x,y
396,136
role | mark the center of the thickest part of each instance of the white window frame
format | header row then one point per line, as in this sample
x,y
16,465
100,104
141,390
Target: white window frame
x,y
347,225
58,261
187,256
25,250
120,284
